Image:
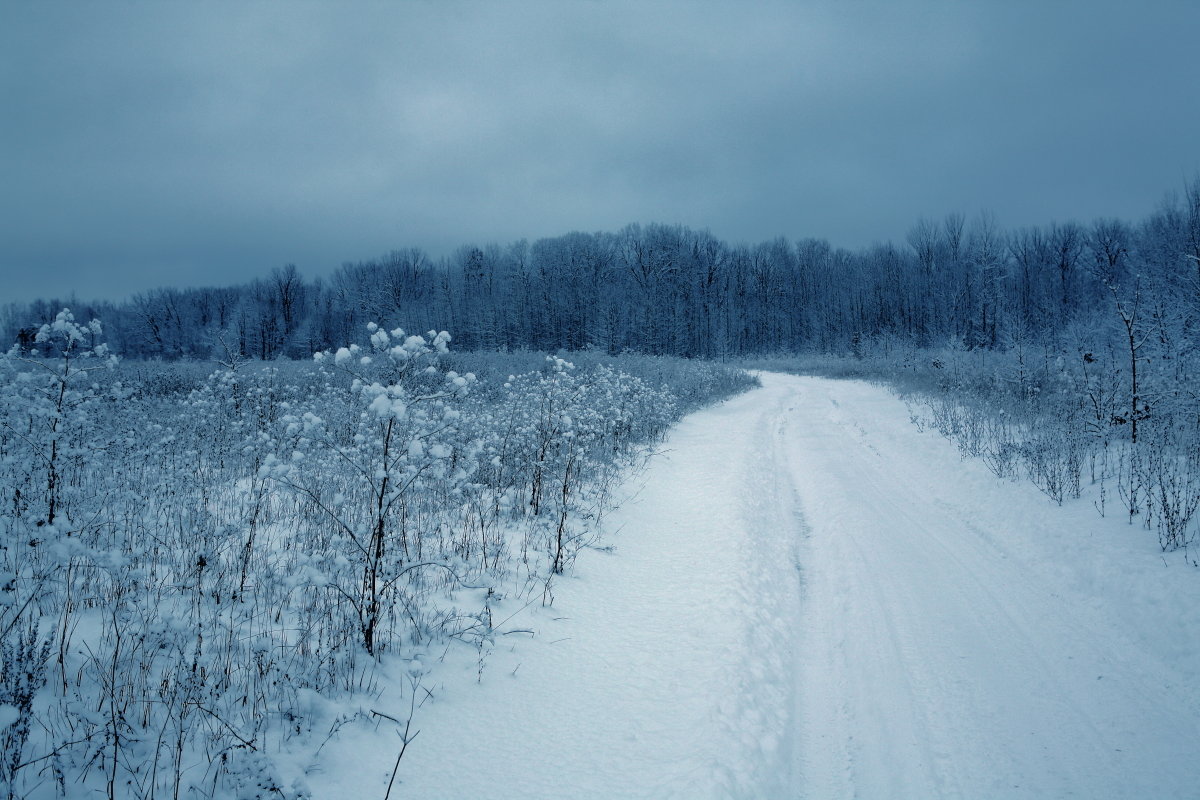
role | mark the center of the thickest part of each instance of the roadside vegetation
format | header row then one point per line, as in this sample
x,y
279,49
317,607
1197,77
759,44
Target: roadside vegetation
x,y
196,564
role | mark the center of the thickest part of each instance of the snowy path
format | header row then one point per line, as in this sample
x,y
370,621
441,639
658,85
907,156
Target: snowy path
x,y
810,598
942,658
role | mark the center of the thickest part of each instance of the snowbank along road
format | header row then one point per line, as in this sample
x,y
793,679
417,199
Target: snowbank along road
x,y
810,598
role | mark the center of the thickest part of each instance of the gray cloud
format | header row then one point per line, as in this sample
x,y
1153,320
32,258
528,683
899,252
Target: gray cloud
x,y
200,143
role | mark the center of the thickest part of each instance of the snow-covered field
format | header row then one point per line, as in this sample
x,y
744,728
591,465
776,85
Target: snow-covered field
x,y
808,597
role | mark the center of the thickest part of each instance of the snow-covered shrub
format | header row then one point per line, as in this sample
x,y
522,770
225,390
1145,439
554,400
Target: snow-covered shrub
x,y
232,549
548,434
373,468
49,442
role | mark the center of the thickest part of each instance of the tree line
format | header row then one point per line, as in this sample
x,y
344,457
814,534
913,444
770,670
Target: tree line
x,y
670,289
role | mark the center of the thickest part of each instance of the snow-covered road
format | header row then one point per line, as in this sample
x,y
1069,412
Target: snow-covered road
x,y
810,598
944,652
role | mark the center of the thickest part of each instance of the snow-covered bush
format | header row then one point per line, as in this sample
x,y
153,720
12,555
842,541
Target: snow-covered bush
x,y
194,563
50,440
372,466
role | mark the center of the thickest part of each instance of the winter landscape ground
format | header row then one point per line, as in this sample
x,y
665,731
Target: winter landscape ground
x,y
398,571
807,596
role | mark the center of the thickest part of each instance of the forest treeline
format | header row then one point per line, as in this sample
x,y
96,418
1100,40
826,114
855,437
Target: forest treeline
x,y
669,289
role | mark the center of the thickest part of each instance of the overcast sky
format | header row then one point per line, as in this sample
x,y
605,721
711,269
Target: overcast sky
x,y
203,143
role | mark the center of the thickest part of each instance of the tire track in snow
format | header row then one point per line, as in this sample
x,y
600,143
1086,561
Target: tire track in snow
x,y
773,527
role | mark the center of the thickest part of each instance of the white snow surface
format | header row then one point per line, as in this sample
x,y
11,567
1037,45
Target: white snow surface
x,y
807,597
